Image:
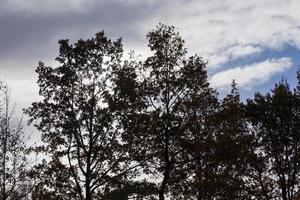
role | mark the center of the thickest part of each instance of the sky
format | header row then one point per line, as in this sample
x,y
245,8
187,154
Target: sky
x,y
255,42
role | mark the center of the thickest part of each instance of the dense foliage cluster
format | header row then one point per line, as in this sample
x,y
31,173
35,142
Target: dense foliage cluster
x,y
119,129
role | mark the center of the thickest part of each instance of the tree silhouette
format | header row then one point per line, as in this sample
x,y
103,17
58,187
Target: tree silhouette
x,y
275,121
15,182
166,88
218,150
77,125
232,149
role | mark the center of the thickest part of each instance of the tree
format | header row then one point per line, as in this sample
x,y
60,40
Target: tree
x,y
218,151
275,123
77,125
164,87
15,182
232,149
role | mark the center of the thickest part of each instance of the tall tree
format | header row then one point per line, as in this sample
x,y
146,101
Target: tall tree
x,y
275,122
218,151
77,125
232,153
15,182
167,85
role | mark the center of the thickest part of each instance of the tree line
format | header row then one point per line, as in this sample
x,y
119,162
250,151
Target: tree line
x,y
154,128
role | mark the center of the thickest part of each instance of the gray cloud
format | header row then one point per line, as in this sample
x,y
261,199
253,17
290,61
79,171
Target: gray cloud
x,y
34,35
220,31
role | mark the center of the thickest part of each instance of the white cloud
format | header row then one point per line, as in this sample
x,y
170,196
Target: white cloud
x,y
222,30
251,74
243,51
232,53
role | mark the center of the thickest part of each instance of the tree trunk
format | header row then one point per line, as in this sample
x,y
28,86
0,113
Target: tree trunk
x,y
167,170
88,195
163,186
88,192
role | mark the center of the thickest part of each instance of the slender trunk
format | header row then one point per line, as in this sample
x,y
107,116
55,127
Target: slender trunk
x,y
163,186
167,170
284,193
88,191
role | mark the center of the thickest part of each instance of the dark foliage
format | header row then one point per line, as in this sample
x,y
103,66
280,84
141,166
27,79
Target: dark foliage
x,y
78,128
276,121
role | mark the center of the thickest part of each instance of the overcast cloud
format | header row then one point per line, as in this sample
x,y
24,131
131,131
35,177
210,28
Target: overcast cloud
x,y
221,31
